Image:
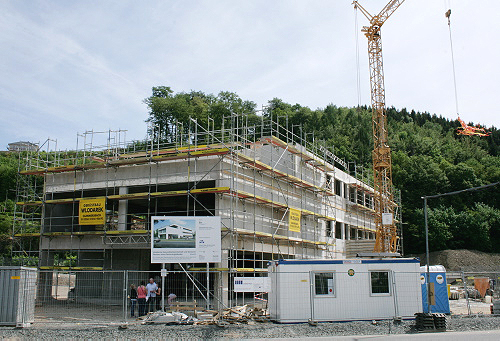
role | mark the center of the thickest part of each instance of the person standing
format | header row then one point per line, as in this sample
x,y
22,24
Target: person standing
x,y
142,293
158,297
133,300
152,288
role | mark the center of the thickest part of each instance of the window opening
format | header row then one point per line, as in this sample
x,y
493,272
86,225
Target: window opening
x,y
338,187
338,230
379,282
324,283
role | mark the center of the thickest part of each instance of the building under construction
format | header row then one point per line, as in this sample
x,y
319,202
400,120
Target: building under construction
x,y
251,176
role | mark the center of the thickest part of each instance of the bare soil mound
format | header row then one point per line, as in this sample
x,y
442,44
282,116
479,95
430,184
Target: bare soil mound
x,y
464,260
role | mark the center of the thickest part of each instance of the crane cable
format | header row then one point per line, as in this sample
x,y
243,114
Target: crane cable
x,y
358,75
448,14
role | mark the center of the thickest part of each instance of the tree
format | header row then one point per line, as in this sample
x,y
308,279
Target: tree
x,y
169,112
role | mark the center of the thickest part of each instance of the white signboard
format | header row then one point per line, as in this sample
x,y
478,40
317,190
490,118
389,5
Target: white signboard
x,y
252,284
185,239
387,219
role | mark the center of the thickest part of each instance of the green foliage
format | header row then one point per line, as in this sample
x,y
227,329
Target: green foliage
x,y
166,109
477,228
24,261
428,158
65,259
8,171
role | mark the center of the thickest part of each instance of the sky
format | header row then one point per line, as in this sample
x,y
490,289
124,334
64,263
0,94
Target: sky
x,y
70,66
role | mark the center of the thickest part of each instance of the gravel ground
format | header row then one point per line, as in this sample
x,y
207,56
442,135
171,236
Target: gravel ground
x,y
464,260
236,331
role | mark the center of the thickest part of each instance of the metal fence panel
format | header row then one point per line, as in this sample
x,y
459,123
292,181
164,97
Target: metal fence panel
x,y
104,296
80,296
473,292
17,295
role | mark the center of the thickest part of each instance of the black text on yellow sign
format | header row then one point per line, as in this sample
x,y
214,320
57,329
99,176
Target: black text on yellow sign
x,y
294,220
92,212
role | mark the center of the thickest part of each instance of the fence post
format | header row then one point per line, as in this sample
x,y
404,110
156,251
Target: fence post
x,y
466,293
125,300
395,296
208,287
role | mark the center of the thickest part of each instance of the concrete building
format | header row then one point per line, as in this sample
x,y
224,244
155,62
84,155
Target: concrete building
x,y
255,178
22,146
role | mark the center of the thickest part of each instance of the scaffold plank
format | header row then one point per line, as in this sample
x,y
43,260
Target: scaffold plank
x,y
304,156
131,196
252,163
121,162
274,204
266,235
29,203
95,233
245,270
30,234
361,187
71,268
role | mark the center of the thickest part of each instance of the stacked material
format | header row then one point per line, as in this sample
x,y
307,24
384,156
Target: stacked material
x,y
430,321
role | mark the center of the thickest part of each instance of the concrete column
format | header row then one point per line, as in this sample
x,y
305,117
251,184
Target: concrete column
x,y
222,281
122,210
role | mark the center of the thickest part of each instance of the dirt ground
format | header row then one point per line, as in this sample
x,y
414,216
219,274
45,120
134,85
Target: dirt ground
x,y
464,260
459,307
62,312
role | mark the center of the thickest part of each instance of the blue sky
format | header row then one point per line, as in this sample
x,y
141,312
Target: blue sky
x,y
72,66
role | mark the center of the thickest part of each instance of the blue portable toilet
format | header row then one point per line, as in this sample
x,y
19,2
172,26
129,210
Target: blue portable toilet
x,y
437,274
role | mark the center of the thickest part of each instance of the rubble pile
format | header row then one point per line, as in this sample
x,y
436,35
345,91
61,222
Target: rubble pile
x,y
239,314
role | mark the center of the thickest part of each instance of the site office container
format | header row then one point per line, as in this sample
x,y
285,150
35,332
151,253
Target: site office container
x,y
17,295
344,290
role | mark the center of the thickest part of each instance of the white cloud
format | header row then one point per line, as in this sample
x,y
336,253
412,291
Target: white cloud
x,y
68,67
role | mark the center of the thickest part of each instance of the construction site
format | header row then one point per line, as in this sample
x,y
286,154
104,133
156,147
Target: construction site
x,y
234,218
280,194
251,176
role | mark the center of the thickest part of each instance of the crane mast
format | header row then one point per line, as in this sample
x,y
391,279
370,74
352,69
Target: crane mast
x,y
386,232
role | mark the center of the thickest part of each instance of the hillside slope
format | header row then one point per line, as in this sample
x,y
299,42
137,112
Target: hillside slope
x,y
464,260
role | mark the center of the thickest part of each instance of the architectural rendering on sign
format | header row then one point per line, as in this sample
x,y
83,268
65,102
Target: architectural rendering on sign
x,y
185,239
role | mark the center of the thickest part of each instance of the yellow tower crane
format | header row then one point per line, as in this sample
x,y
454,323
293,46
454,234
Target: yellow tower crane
x,y
386,235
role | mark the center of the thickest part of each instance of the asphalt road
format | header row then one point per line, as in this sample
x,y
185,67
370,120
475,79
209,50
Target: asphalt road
x,y
489,335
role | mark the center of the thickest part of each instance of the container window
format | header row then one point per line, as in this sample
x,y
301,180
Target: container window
x,y
324,283
379,282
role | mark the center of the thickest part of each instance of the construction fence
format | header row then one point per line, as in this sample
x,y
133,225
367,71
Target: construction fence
x,y
104,296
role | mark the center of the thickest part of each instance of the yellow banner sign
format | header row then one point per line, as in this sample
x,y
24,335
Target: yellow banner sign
x,y
294,220
92,212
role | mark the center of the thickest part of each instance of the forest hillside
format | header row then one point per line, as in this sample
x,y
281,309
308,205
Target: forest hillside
x,y
428,158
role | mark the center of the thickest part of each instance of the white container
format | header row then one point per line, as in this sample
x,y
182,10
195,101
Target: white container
x,y
345,290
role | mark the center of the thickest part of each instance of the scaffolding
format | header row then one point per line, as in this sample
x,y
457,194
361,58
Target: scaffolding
x,y
249,173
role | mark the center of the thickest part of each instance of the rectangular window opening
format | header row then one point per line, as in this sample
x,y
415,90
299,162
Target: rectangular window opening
x,y
338,187
338,230
324,283
379,282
